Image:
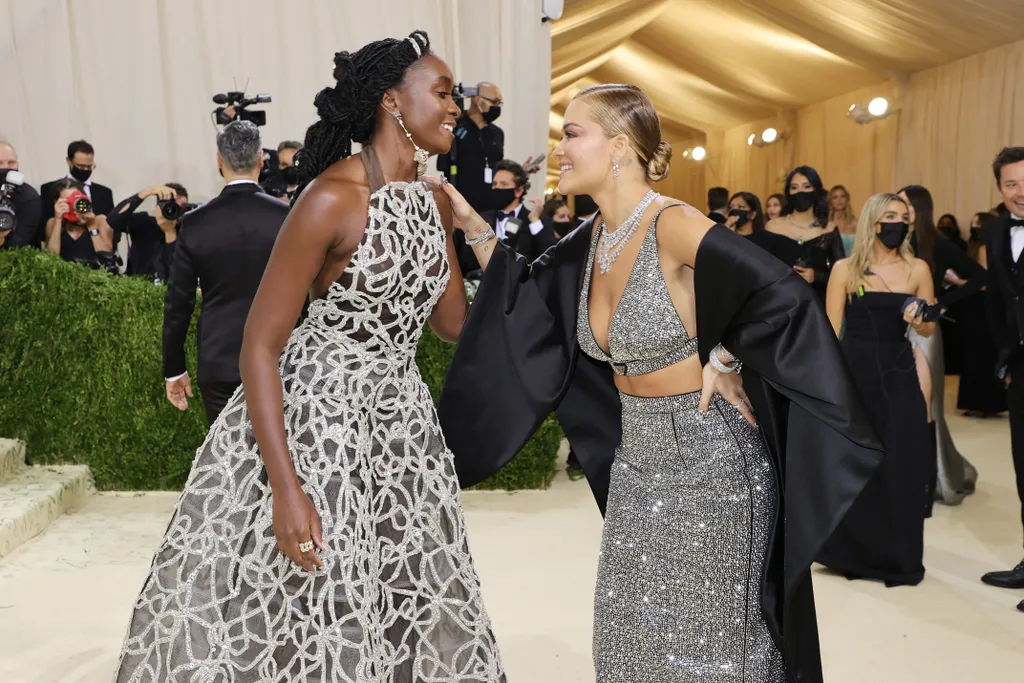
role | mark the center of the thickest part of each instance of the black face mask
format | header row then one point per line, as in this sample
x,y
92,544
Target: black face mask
x,y
893,234
801,201
976,234
741,217
492,114
561,228
290,175
502,197
81,175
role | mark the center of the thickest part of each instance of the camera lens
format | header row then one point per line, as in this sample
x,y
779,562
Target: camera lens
x,y
170,209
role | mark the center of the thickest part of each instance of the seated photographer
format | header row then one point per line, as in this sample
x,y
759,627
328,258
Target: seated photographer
x,y
76,232
24,202
152,238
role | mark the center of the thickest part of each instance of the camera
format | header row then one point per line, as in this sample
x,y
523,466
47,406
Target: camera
x,y
240,102
9,184
172,210
461,91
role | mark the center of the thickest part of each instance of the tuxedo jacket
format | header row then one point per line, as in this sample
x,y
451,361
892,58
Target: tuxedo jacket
x,y
1005,300
102,203
522,242
223,247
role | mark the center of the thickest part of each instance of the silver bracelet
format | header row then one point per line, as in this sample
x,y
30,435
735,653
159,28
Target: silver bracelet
x,y
481,238
722,367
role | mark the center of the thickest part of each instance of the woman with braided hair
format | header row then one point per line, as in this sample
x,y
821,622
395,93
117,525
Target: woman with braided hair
x,y
320,534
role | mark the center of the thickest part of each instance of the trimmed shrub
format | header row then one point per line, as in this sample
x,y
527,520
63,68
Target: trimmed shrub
x,y
81,381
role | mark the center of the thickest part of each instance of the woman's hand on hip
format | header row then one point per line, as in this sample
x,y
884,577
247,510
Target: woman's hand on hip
x,y
729,387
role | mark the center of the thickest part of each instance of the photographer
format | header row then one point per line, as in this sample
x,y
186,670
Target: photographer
x,y
152,238
478,146
76,232
25,203
81,161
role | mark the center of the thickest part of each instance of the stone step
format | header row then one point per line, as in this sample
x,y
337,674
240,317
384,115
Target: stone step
x,y
38,495
12,458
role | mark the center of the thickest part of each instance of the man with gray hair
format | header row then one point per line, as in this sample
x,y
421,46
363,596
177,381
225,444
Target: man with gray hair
x,y
223,246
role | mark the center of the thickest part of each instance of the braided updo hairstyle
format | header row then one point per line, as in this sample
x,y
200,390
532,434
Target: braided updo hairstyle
x,y
348,111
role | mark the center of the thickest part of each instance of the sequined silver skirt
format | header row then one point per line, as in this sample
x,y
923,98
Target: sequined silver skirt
x,y
690,510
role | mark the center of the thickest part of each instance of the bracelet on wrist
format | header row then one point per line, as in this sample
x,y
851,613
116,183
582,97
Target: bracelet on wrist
x,y
734,367
480,238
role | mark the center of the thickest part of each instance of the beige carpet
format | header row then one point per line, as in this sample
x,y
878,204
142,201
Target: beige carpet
x,y
65,597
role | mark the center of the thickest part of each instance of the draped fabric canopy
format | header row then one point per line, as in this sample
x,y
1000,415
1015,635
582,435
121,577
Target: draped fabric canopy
x,y
718,70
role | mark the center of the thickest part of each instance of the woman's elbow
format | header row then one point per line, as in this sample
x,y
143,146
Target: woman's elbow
x,y
448,331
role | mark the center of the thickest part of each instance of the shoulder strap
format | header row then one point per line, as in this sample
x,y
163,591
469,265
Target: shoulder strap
x,y
374,174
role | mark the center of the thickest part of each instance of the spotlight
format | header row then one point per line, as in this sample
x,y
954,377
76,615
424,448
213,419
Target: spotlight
x,y
750,140
877,109
686,153
699,153
770,135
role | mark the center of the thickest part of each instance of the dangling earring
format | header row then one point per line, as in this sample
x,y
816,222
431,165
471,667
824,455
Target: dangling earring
x,y
615,168
420,156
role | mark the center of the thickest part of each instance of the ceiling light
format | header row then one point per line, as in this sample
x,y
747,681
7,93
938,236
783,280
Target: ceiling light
x,y
686,153
769,135
750,140
878,106
699,153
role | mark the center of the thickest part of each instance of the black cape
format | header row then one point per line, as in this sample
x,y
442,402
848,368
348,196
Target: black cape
x,y
518,360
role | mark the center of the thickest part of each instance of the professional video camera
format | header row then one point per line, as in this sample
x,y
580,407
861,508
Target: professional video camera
x,y
10,181
240,102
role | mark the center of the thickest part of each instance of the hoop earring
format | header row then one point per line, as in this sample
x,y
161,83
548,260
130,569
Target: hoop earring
x,y
615,168
420,156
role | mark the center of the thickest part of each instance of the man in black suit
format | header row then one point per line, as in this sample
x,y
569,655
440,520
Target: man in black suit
x,y
81,162
718,204
527,231
471,163
1005,301
224,245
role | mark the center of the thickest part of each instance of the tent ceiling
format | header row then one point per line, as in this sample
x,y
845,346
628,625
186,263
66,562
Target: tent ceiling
x,y
711,65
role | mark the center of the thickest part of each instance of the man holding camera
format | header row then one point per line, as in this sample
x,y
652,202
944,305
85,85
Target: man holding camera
x,y
286,165
153,238
224,245
81,161
477,148
24,202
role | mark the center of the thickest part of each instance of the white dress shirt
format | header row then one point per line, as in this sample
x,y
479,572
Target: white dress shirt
x,y
522,213
1016,239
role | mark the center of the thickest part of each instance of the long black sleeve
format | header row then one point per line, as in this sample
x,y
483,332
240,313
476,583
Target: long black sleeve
x,y
179,303
119,217
947,256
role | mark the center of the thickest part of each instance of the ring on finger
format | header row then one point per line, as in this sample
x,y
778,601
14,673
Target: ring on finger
x,y
306,546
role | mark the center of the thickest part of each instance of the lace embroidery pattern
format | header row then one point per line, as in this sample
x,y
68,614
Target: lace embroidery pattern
x,y
399,599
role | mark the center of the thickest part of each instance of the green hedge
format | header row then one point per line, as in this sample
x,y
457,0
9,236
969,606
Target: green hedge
x,y
80,376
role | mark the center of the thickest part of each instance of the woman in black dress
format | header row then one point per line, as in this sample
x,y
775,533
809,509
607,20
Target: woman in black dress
x,y
882,536
955,277
745,215
981,393
802,236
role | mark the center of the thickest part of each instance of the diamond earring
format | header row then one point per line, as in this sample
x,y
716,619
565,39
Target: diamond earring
x,y
615,168
420,156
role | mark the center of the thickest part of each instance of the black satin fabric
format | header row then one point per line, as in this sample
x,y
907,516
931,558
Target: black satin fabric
x,y
518,359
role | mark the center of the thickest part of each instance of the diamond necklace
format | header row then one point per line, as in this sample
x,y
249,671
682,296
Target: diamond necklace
x,y
612,242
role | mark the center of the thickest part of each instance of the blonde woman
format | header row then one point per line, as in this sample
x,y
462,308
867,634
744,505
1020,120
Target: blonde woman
x,y
881,290
841,214
632,328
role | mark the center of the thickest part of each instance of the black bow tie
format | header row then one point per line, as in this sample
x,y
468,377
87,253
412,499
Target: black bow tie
x,y
502,215
1016,222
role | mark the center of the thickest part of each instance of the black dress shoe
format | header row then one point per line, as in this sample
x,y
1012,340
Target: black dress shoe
x,y
1020,606
1011,579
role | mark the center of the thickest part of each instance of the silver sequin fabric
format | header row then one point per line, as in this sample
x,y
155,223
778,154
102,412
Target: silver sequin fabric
x,y
399,600
690,510
645,333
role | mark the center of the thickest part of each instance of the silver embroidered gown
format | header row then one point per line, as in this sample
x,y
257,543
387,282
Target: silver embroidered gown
x,y
399,600
691,507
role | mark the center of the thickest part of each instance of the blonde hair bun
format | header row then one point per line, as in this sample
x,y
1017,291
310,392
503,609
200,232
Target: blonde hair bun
x,y
659,165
